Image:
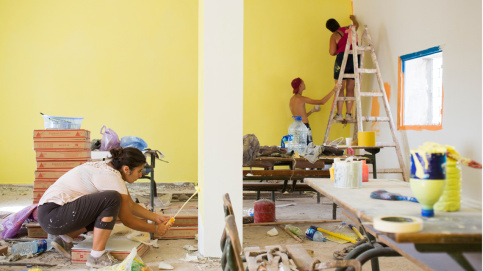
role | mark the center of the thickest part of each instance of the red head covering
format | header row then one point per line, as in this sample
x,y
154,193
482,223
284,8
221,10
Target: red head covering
x,y
296,84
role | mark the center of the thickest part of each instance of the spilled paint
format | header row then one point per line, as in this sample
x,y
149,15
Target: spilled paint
x,y
375,109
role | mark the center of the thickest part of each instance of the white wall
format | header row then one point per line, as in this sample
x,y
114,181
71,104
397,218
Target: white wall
x,y
220,118
403,27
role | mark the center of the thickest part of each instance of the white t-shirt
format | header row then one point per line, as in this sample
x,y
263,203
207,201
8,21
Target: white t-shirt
x,y
82,180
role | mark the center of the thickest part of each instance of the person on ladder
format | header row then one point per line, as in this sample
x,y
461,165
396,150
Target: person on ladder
x,y
338,41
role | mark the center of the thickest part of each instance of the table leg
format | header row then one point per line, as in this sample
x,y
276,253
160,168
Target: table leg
x,y
334,211
372,156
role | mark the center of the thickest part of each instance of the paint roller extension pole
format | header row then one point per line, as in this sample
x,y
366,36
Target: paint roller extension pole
x,y
335,234
356,231
171,220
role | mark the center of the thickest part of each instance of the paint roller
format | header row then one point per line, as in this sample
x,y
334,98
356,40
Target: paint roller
x,y
172,219
352,240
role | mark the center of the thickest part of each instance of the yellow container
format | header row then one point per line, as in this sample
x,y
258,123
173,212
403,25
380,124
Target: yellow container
x,y
366,138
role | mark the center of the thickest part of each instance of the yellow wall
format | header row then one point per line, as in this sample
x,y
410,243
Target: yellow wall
x,y
130,65
285,39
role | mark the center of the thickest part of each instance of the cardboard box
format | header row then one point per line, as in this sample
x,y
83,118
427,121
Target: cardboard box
x,y
39,193
57,133
43,184
47,155
60,165
179,233
186,221
118,247
35,231
61,145
49,175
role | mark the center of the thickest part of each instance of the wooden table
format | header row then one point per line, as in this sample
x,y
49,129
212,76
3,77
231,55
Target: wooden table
x,y
447,233
297,171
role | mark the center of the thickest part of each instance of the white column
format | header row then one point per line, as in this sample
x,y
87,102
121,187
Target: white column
x,y
220,118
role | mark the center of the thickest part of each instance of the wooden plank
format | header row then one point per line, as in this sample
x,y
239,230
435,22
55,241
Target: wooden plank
x,y
291,222
257,186
291,234
281,172
299,255
252,264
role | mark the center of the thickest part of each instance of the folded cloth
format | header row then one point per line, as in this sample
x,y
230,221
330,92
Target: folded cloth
x,y
312,152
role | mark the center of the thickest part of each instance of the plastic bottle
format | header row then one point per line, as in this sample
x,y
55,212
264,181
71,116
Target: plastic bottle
x,y
315,235
293,229
365,171
298,132
26,248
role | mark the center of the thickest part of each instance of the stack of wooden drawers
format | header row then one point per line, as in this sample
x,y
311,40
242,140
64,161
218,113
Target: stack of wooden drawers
x,y
56,152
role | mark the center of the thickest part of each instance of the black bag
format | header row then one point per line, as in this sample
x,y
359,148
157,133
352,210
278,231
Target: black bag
x,y
331,151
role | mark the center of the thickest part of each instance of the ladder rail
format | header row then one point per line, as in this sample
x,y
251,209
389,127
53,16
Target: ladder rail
x,y
387,108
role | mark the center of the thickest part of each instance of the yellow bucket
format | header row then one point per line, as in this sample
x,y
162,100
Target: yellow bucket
x,y
366,138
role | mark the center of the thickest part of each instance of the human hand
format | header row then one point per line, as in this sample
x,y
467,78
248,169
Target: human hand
x,y
161,219
315,108
161,229
337,87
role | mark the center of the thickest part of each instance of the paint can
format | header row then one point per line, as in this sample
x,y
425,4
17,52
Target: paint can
x,y
264,211
366,138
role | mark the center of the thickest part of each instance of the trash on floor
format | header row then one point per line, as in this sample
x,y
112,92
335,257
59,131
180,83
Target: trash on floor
x,y
272,232
165,266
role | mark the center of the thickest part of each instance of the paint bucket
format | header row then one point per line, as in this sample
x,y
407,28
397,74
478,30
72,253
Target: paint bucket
x,y
264,211
366,138
348,174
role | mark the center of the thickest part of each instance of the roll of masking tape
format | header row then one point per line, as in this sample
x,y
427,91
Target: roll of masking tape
x,y
398,224
366,138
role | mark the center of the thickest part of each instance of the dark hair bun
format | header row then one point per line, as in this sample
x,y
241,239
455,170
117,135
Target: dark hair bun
x,y
116,153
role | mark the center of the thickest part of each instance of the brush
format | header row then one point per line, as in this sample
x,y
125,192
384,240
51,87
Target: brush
x,y
383,194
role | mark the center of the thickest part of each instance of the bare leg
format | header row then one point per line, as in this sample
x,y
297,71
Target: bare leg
x,y
341,94
101,236
350,93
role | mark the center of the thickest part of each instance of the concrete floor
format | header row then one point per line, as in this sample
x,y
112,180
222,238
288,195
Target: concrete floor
x,y
302,207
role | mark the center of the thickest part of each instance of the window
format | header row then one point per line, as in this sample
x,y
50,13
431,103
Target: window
x,y
420,90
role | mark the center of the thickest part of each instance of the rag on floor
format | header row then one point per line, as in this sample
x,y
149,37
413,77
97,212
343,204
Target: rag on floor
x,y
14,222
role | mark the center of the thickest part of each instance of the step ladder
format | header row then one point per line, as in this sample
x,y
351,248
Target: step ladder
x,y
358,119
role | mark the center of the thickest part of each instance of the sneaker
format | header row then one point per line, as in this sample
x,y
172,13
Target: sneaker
x,y
348,116
104,260
62,246
338,117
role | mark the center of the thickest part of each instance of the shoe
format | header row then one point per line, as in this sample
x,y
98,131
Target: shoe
x,y
62,246
338,117
104,260
348,116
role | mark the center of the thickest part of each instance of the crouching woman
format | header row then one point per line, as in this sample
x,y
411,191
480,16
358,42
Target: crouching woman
x,y
90,197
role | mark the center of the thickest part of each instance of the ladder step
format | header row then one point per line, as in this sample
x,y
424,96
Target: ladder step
x,y
375,119
349,75
371,94
364,48
367,70
346,98
359,52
